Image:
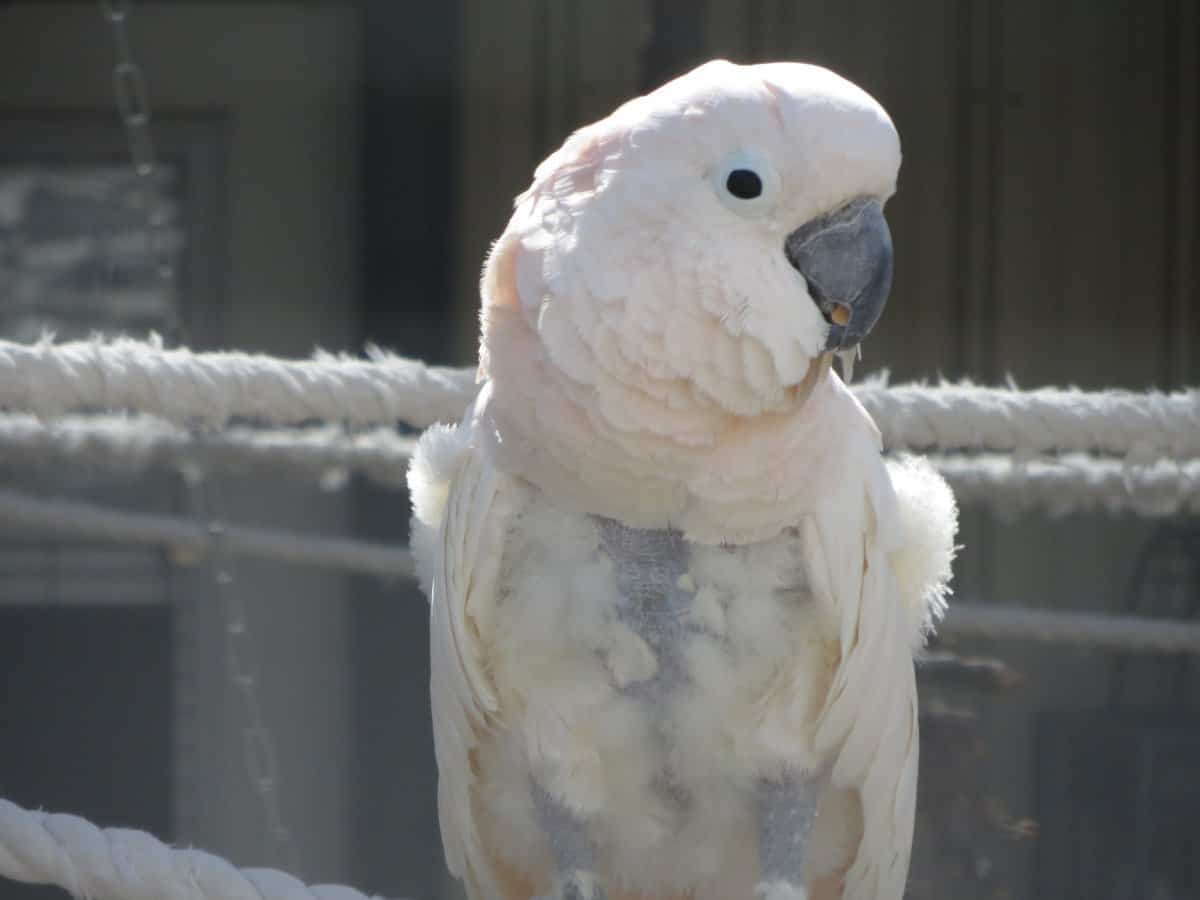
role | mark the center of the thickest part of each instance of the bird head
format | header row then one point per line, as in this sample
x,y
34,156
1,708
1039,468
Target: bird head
x,y
722,232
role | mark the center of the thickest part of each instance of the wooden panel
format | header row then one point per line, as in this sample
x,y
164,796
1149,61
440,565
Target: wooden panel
x,y
533,72
496,138
1183,92
1081,291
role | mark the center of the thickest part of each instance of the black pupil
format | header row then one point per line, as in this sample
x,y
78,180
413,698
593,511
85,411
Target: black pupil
x,y
744,184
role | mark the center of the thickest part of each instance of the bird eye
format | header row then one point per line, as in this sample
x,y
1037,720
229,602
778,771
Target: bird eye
x,y
746,183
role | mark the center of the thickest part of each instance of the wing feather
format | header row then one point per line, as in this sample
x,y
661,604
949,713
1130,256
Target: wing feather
x,y
868,725
466,549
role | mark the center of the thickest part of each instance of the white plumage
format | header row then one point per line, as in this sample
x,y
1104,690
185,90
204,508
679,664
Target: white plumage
x,y
666,560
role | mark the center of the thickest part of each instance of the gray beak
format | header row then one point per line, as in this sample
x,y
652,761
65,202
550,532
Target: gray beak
x,y
846,258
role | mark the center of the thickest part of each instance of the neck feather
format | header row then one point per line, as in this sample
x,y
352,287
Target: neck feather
x,y
736,479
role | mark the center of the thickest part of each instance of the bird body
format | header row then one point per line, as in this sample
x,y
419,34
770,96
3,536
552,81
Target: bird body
x,y
675,588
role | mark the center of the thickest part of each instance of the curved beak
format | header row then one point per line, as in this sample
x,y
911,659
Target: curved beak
x,y
845,257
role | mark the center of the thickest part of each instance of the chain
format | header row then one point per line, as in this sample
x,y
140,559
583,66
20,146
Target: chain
x,y
258,745
133,106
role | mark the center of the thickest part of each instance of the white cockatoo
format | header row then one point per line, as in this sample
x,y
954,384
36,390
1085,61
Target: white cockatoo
x,y
676,589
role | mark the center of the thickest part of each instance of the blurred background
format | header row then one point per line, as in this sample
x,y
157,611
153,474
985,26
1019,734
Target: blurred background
x,y
330,174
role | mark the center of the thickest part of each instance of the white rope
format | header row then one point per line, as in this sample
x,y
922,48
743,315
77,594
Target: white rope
x,y
1126,633
123,864
1073,483
133,444
1141,426
211,388
191,539
130,445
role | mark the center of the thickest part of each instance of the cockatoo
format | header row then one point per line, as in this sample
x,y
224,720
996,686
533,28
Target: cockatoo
x,y
676,589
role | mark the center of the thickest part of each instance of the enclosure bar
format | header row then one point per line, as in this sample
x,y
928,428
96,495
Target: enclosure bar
x,y
1127,633
68,517
1093,630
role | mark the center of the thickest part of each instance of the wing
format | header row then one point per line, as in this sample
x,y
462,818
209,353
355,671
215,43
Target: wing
x,y
459,501
868,725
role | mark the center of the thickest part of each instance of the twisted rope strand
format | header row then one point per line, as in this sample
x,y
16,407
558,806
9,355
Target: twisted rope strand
x,y
211,388
1141,426
123,864
190,388
131,445
1073,483
1057,486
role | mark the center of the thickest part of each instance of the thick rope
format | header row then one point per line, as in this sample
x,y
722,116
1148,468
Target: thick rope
x,y
211,388
1141,426
1057,486
1073,483
130,445
123,864
190,540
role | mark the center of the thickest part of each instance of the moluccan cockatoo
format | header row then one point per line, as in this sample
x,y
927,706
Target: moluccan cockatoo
x,y
675,587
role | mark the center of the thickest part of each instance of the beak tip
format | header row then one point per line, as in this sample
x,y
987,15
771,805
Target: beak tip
x,y
846,253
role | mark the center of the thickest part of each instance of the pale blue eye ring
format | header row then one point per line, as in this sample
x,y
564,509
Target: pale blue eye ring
x,y
746,183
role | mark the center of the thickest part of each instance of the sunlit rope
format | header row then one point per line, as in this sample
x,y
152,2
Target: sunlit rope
x,y
1073,483
129,445
123,864
211,388
1141,426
